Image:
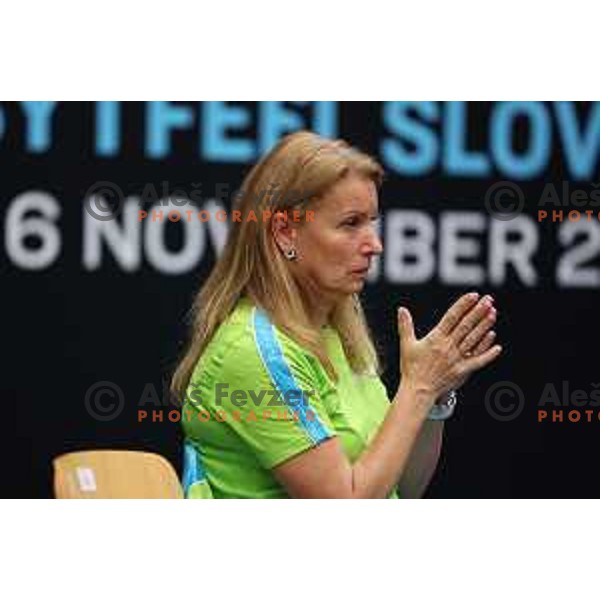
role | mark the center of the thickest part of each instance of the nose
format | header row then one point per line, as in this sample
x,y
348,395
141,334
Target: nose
x,y
373,244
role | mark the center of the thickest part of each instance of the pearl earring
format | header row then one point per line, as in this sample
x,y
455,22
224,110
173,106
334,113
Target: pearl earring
x,y
291,254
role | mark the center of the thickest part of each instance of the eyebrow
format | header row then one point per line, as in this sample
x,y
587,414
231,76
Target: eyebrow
x,y
362,213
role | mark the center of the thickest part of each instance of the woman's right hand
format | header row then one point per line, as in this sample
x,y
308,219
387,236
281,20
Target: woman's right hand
x,y
458,346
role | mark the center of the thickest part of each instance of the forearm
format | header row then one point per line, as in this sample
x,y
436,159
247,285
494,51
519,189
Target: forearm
x,y
423,460
441,361
384,462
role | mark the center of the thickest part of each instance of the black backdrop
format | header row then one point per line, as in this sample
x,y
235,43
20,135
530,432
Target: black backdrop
x,y
87,301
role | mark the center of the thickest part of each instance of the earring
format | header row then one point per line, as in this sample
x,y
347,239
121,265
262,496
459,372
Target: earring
x,y
291,254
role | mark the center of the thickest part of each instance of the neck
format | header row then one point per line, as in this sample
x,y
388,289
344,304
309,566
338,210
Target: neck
x,y
319,310
320,317
318,303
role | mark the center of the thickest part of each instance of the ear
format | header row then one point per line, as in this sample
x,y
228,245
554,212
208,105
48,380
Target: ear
x,y
283,232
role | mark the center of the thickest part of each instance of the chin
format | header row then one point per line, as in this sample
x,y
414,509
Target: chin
x,y
345,289
355,287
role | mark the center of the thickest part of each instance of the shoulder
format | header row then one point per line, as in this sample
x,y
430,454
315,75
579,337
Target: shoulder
x,y
247,344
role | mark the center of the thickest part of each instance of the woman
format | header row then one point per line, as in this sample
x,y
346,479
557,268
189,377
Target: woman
x,y
281,380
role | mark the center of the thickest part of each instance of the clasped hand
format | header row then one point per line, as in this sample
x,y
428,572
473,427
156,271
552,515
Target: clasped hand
x,y
460,344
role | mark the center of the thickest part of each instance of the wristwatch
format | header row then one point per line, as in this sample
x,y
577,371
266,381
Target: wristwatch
x,y
443,410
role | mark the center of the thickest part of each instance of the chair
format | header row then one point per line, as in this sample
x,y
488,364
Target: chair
x,y
114,474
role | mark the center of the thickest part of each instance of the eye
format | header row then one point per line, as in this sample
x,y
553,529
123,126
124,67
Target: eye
x,y
351,222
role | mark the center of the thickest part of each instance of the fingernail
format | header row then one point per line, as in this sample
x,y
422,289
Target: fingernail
x,y
473,296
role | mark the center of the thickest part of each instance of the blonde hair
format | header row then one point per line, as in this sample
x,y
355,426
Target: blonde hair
x,y
294,174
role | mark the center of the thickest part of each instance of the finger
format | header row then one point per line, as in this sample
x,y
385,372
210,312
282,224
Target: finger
x,y
476,335
456,312
406,328
485,343
472,319
482,360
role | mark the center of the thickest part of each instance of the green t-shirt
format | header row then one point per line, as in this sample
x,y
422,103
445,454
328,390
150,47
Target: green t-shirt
x,y
257,398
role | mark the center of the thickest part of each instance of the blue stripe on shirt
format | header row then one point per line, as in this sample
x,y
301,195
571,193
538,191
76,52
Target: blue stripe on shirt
x,y
279,371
